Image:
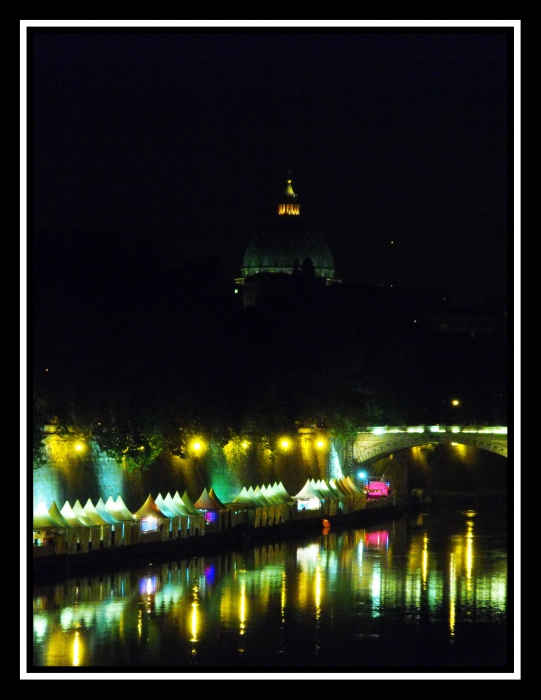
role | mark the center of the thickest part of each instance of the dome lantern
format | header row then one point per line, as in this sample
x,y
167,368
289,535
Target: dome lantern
x,y
288,204
286,246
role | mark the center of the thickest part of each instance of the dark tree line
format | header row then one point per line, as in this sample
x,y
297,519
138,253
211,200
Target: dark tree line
x,y
141,358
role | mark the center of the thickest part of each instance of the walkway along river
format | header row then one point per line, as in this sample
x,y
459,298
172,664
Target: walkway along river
x,y
424,592
50,561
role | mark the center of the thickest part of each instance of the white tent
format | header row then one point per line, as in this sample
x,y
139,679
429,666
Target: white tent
x,y
176,507
118,510
83,516
167,506
185,503
102,511
307,492
43,518
70,516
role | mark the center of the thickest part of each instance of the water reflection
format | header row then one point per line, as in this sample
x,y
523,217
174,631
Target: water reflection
x,y
410,593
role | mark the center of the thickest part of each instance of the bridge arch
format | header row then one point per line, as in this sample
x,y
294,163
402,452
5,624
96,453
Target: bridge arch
x,y
376,443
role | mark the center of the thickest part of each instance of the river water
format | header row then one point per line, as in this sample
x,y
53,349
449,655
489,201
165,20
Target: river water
x,y
427,595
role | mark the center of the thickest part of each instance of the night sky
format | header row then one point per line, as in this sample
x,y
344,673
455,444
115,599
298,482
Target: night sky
x,y
184,136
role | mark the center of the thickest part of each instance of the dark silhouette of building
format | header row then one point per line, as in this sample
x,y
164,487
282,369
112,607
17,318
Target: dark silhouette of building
x,y
286,255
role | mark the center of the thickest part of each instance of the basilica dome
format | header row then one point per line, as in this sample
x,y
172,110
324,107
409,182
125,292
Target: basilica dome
x,y
287,244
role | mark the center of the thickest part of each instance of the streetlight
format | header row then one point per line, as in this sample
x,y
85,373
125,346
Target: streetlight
x,y
197,446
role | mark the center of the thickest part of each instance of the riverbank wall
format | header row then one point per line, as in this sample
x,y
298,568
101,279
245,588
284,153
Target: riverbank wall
x,y
51,566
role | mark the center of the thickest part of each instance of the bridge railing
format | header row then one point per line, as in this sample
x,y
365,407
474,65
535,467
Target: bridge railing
x,y
487,430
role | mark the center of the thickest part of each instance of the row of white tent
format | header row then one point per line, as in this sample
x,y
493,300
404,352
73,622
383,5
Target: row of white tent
x,y
112,512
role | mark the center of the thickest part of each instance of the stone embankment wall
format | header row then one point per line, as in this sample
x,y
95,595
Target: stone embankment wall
x,y
72,474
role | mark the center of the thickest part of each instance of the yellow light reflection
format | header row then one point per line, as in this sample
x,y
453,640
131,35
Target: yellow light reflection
x,y
318,592
469,554
283,596
424,562
452,595
320,443
194,617
77,650
242,611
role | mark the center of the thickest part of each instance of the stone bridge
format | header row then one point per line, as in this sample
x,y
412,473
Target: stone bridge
x,y
379,442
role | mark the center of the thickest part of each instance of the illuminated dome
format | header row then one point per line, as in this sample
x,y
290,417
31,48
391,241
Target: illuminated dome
x,y
285,247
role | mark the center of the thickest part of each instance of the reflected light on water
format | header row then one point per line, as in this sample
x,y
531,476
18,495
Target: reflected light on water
x,y
140,624
376,589
283,597
452,595
318,586
40,626
194,616
424,561
302,599
77,650
242,612
469,554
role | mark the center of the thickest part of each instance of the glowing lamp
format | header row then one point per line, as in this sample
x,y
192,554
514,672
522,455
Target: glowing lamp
x,y
284,444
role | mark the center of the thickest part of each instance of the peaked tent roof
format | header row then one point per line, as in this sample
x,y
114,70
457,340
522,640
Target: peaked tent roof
x,y
71,517
83,516
271,495
243,497
186,502
56,515
123,509
333,488
353,486
103,512
280,488
324,489
205,502
150,509
165,509
261,499
257,498
339,487
321,492
170,504
215,498
118,510
43,519
307,491
179,504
